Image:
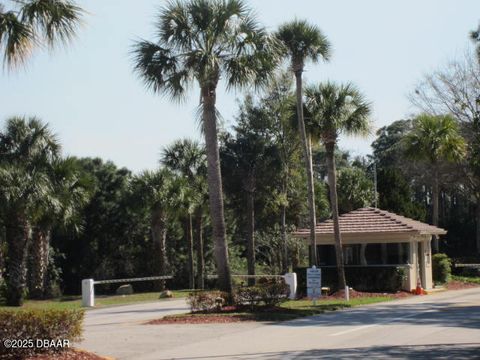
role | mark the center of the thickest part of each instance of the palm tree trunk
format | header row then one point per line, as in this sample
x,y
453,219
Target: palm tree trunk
x,y
17,233
308,163
332,182
283,229
435,200
215,190
477,232
159,237
199,245
191,265
39,262
250,229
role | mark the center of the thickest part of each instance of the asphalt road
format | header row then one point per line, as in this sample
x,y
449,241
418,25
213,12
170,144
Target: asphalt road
x,y
441,326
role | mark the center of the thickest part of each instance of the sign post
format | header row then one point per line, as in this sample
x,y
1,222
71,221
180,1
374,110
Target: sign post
x,y
314,283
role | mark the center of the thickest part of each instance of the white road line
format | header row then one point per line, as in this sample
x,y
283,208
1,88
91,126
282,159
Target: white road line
x,y
358,328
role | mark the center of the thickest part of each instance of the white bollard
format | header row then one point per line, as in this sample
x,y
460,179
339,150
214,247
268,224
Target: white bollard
x,y
291,281
347,293
88,293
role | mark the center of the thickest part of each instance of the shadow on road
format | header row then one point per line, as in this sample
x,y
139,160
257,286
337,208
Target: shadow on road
x,y
434,351
443,315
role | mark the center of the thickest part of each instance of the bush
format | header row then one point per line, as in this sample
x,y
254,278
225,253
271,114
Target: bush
x,y
269,293
361,278
249,295
275,293
441,268
207,300
30,325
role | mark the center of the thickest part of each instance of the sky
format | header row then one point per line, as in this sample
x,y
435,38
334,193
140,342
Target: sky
x,y
96,105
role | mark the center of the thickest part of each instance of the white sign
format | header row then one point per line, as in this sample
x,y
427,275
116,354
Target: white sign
x,y
314,282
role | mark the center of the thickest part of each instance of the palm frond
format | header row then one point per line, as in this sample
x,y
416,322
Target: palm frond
x,y
55,20
335,109
16,39
304,41
160,69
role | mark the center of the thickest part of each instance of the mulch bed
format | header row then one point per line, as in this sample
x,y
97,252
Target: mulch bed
x,y
459,285
68,354
227,315
208,319
230,314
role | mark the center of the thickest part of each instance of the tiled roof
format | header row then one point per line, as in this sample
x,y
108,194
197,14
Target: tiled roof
x,y
372,220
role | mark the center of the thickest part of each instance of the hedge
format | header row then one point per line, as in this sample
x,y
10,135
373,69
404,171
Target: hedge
x,y
33,326
441,268
360,278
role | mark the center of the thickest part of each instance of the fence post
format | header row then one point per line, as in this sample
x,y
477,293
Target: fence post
x,y
291,281
88,293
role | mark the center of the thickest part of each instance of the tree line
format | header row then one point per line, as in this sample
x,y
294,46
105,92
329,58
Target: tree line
x,y
229,204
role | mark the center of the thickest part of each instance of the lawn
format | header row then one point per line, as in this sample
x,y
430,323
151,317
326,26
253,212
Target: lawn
x,y
75,302
467,279
288,310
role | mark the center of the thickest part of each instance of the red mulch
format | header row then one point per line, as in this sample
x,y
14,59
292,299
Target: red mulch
x,y
209,319
67,354
459,285
225,316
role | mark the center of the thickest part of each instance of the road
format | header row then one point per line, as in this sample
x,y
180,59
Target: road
x,y
441,326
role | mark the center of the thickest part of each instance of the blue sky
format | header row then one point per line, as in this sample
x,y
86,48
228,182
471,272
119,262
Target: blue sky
x,y
89,96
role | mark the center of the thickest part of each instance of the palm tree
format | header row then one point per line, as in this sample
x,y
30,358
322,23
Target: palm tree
x,y
62,207
155,189
434,139
204,41
278,104
188,159
27,24
27,151
336,109
304,42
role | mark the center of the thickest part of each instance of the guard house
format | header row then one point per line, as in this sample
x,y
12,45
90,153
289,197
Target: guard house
x,y
374,237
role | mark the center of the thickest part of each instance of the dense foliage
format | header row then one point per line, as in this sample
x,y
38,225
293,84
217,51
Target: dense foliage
x,y
229,204
441,268
55,326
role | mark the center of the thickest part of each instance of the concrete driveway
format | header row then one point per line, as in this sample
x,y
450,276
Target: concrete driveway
x,y
440,326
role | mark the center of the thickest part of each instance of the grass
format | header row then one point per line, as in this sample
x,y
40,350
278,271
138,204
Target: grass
x,y
290,310
466,279
75,302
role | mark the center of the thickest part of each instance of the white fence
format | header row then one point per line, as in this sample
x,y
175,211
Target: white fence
x,y
88,286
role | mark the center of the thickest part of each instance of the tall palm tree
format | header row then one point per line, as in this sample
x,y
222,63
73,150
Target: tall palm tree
x,y
27,151
155,189
27,24
204,41
60,208
304,42
336,109
188,159
435,139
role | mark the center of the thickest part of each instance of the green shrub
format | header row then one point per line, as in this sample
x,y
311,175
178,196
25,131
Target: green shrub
x,y
360,278
36,325
274,293
441,268
249,295
207,300
269,293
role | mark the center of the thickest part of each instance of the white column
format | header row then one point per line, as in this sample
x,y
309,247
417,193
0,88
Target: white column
x,y
88,293
291,281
